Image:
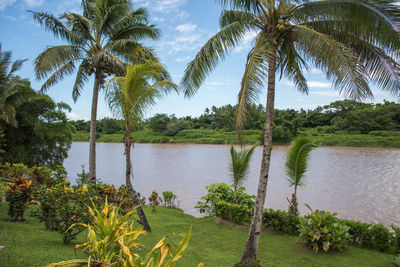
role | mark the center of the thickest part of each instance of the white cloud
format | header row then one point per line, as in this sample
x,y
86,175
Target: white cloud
x,y
163,6
34,3
75,117
325,93
319,84
188,27
5,3
183,59
182,42
246,43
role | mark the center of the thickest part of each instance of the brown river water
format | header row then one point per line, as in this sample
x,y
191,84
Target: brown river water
x,y
357,183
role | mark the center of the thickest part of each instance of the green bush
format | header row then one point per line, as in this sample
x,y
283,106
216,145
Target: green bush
x,y
280,221
373,236
223,192
323,230
237,213
396,261
18,194
62,205
169,199
219,202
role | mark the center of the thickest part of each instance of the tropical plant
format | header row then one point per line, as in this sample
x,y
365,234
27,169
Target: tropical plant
x,y
154,200
129,97
106,33
352,42
13,90
112,239
18,195
239,167
322,230
169,199
296,166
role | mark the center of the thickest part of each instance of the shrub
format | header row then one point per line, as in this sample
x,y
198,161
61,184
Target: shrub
x,y
236,213
396,261
169,199
396,237
281,221
374,236
62,205
323,230
18,195
223,192
9,171
154,200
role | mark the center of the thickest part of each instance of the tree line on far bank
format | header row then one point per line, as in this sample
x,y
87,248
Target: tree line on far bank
x,y
346,116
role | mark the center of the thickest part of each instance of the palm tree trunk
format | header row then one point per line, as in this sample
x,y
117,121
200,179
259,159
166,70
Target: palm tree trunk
x,y
135,199
92,140
235,195
251,248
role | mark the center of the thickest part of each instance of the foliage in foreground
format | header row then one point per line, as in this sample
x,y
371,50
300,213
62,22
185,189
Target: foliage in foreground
x,y
113,240
18,194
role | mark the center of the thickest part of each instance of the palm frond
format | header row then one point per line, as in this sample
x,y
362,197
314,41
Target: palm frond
x,y
210,54
81,78
337,61
55,57
296,161
239,165
65,70
253,78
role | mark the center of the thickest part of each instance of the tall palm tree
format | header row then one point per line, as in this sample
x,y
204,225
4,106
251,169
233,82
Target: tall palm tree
x,y
296,166
13,90
353,42
239,167
107,32
129,97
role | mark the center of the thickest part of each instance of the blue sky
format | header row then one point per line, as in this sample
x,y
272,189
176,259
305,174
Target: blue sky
x,y
185,25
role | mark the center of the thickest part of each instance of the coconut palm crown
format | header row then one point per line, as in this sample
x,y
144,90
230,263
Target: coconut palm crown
x,y
13,90
355,43
99,40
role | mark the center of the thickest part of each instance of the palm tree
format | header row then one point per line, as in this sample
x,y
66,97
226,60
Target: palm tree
x,y
13,90
129,97
239,167
296,166
352,42
98,40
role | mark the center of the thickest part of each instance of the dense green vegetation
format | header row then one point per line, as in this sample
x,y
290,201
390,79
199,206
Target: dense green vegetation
x,y
341,123
214,243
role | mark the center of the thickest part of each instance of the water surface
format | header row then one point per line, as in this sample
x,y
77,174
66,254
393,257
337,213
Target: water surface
x,y
357,183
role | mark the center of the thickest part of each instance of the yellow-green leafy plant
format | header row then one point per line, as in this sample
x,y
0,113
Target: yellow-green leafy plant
x,y
113,241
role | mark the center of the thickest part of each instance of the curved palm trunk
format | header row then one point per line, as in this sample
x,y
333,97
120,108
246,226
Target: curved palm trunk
x,y
251,248
136,201
92,140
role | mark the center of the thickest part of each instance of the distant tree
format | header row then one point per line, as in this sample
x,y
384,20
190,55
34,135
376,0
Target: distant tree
x,y
159,122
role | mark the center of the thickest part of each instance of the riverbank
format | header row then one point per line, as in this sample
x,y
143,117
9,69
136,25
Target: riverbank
x,y
213,243
206,136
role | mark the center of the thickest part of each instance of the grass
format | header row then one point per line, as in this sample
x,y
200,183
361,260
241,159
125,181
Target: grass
x,y
214,244
206,136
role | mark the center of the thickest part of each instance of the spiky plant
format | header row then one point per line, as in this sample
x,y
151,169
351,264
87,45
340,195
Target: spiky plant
x,y
296,166
129,97
354,42
239,167
13,90
106,33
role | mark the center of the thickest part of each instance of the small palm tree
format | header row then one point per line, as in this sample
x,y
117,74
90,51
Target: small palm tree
x,y
296,166
129,97
106,33
13,90
352,42
239,167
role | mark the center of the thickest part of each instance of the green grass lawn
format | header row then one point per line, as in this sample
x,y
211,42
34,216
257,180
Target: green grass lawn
x,y
214,244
